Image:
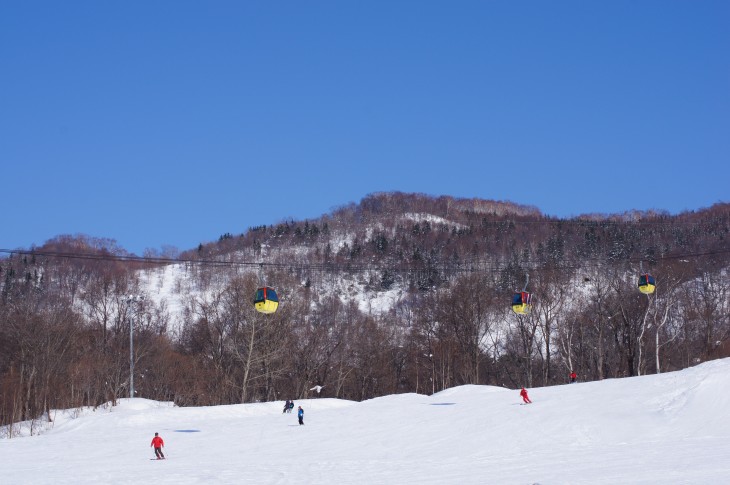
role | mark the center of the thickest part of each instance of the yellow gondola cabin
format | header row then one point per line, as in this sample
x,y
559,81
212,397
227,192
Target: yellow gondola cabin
x,y
647,284
521,303
266,300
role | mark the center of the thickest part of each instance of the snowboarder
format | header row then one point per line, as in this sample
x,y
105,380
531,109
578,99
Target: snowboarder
x,y
523,393
300,413
573,376
286,407
158,444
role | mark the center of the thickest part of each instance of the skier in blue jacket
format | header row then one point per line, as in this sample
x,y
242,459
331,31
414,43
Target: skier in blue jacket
x,y
300,413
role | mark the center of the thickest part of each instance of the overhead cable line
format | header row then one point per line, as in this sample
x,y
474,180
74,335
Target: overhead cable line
x,y
467,266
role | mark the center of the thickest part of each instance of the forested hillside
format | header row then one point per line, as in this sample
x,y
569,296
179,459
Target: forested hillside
x,y
398,293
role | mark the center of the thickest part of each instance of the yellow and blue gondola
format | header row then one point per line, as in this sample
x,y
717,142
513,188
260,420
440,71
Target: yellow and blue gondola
x,y
266,300
647,284
521,303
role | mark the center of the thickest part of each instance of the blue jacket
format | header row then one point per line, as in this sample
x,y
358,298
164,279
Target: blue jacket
x,y
300,413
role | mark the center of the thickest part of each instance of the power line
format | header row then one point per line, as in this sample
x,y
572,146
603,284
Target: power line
x,y
467,266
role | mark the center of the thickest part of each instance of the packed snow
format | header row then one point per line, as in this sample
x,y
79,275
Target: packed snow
x,y
670,428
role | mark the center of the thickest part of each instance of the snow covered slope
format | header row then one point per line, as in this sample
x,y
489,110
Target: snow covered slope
x,y
669,428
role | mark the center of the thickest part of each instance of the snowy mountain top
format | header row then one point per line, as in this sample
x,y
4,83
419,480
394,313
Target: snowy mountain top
x,y
432,219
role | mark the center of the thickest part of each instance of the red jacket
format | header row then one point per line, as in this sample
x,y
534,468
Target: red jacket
x,y
523,392
157,442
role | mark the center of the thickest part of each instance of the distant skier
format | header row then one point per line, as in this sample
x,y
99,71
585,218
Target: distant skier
x,y
291,406
573,376
158,444
300,413
523,393
286,407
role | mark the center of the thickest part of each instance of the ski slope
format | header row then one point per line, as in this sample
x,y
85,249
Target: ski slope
x,y
669,428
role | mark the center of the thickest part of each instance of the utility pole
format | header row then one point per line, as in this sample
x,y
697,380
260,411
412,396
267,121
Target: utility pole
x,y
132,299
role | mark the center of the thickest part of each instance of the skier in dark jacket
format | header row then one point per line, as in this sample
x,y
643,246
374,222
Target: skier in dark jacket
x,y
300,413
286,407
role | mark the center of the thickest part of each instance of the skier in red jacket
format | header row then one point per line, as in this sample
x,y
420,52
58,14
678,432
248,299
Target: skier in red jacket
x,y
158,444
573,376
523,393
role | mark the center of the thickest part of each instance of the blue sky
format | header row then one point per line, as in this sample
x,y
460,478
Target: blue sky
x,y
173,122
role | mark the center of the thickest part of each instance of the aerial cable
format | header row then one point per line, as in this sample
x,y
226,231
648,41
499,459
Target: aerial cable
x,y
468,266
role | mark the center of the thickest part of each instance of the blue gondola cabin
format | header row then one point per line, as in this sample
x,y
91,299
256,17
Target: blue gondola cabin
x,y
521,303
647,284
266,300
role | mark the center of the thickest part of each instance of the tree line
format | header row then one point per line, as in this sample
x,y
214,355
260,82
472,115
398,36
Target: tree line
x,y
451,266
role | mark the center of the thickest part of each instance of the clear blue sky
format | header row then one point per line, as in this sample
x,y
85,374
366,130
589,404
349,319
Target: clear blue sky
x,y
172,122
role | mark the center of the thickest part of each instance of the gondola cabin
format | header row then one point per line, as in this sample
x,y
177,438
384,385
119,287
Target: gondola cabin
x,y
521,303
647,284
266,300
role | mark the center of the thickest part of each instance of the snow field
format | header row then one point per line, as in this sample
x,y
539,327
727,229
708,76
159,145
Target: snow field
x,y
668,428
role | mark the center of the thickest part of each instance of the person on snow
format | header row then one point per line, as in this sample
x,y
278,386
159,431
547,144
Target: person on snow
x,y
286,407
300,413
523,393
291,406
573,376
158,444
